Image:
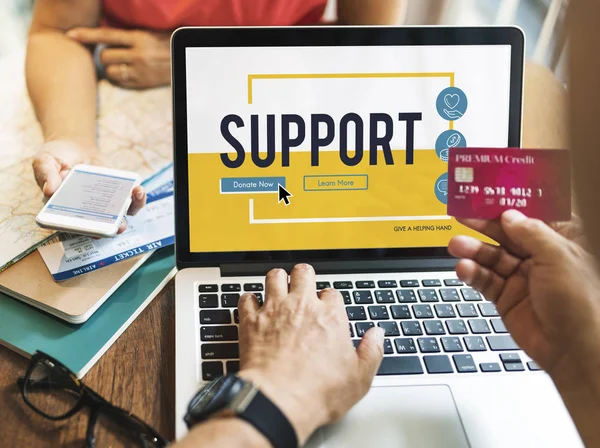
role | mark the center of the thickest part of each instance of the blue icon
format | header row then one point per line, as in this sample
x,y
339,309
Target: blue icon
x,y
441,188
451,103
446,140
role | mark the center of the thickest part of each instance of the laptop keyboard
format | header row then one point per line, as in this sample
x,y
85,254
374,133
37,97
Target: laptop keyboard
x,y
432,326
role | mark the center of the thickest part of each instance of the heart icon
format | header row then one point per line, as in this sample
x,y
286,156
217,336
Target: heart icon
x,y
451,100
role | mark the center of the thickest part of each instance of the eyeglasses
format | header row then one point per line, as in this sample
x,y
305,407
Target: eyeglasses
x,y
52,390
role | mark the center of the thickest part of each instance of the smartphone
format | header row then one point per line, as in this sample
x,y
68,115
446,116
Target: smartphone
x,y
90,201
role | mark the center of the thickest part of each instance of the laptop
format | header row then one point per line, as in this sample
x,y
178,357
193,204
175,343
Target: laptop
x,y
329,146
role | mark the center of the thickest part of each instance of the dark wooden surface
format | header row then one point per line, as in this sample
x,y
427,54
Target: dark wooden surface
x,y
137,373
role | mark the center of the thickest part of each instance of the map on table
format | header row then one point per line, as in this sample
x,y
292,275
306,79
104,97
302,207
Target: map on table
x,y
134,133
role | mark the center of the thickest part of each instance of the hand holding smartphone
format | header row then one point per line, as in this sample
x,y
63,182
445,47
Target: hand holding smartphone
x,y
90,201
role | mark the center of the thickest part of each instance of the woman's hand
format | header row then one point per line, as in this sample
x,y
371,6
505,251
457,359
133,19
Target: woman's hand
x,y
545,288
55,158
133,59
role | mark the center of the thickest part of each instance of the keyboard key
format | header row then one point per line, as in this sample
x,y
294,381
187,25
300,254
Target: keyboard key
x,y
208,300
388,349
351,330
378,312
479,326
215,317
230,300
254,287
452,282
466,310
362,297
400,365
259,298
208,288
411,328
343,285
500,343
422,311
489,367
356,342
387,284
211,370
470,295
487,309
449,295
220,333
356,313
384,296
220,351
400,312
232,366
532,365
363,327
428,345
498,326
434,327
451,344
406,296
390,328
363,284
323,285
437,364
428,295
475,344
346,296
405,345
510,357
430,283
231,287
409,283
236,316
464,363
444,310
514,367
456,327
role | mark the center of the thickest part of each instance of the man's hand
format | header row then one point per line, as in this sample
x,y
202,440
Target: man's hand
x,y
55,159
297,349
133,59
545,288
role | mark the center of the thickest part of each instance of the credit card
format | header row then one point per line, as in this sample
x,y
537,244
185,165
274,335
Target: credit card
x,y
484,182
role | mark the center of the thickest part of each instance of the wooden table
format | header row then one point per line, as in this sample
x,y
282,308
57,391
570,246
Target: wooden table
x,y
138,372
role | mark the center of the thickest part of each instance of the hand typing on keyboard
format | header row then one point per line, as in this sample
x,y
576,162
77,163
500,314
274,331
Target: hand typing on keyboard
x,y
296,349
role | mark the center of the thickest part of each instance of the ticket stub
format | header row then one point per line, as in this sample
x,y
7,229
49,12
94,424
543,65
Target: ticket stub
x,y
151,228
484,182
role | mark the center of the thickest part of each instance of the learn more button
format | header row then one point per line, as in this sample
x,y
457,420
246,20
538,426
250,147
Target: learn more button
x,y
336,182
237,185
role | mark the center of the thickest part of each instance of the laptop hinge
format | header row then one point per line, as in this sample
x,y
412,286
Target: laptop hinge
x,y
345,267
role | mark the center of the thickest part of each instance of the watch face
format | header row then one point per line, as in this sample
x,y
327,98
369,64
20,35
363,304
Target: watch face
x,y
213,398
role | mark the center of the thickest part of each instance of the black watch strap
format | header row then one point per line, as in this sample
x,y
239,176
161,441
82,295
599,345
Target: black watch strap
x,y
270,421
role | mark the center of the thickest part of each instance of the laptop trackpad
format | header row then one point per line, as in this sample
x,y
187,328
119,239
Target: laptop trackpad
x,y
399,417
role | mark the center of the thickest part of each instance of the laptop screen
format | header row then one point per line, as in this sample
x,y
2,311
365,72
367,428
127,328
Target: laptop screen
x,y
322,147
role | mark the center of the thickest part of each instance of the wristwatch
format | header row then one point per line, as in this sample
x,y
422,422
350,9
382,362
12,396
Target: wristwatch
x,y
231,395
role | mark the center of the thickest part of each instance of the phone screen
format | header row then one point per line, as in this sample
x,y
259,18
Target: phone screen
x,y
91,196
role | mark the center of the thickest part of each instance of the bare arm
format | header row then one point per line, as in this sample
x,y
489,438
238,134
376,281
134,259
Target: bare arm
x,y
363,12
584,55
60,72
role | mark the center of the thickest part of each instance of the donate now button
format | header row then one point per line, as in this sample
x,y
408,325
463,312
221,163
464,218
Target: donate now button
x,y
336,182
251,184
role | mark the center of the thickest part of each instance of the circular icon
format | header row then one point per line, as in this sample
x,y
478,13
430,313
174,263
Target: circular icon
x,y
446,140
451,103
441,188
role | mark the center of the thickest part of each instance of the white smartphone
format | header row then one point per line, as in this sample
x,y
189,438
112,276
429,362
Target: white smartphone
x,y
91,200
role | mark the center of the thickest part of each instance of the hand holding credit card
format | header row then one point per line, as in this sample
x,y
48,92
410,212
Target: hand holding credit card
x,y
484,182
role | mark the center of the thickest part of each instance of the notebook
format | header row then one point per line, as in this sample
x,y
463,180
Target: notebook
x,y
25,329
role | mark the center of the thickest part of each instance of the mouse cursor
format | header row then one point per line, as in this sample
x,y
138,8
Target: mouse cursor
x,y
283,195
